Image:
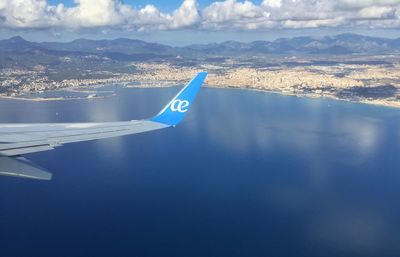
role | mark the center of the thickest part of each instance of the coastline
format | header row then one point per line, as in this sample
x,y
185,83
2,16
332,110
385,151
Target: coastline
x,y
372,102
49,99
377,103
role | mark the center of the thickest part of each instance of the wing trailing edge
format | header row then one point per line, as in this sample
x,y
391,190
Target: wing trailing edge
x,y
22,168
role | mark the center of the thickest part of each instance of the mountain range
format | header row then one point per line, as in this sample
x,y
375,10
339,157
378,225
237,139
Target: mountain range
x,y
17,51
339,44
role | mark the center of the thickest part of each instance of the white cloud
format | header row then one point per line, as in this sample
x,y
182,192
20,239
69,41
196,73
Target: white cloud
x,y
272,3
29,13
91,13
368,3
94,13
377,12
228,14
187,15
147,17
314,23
231,13
231,10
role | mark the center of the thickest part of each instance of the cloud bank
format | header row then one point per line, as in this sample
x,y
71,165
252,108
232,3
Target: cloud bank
x,y
219,15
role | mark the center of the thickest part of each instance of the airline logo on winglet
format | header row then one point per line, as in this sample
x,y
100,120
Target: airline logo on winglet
x,y
179,105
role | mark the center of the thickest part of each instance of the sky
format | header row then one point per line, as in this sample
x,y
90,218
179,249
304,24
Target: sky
x,y
180,22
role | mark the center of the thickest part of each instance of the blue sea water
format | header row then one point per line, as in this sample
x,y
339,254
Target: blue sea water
x,y
245,174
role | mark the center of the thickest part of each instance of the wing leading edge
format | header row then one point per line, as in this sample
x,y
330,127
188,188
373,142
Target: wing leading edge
x,y
19,139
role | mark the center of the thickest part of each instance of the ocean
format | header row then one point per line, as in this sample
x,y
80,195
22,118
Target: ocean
x,y
246,174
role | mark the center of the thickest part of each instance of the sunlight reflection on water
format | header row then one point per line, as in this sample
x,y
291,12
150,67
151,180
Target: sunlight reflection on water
x,y
285,176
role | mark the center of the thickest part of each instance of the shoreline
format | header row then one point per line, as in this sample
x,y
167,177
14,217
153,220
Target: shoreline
x,y
362,102
394,105
43,99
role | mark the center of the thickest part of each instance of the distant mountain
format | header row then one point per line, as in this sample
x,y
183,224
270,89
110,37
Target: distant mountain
x,y
336,45
121,45
18,52
340,44
17,43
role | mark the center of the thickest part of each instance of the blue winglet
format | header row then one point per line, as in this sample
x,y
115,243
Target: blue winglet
x,y
175,111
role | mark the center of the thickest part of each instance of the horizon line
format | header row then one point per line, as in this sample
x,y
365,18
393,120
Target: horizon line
x,y
236,41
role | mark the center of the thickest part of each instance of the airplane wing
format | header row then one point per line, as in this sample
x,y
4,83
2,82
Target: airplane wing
x,y
20,139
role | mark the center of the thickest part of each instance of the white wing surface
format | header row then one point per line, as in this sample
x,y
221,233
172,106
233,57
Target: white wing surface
x,y
20,139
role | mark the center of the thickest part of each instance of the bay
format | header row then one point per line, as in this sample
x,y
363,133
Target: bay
x,y
246,174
